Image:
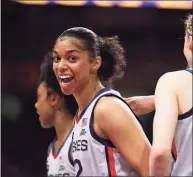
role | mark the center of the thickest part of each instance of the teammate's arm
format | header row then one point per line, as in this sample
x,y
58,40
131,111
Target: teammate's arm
x,y
119,125
164,125
141,104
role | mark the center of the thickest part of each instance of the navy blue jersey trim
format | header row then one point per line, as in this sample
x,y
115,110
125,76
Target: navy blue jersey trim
x,y
52,145
100,92
186,115
70,155
107,159
105,142
53,148
189,70
190,112
173,156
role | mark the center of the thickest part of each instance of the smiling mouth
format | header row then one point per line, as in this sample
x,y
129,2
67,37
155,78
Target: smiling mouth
x,y
65,79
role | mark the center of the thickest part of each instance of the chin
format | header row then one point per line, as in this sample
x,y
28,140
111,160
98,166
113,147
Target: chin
x,y
45,126
67,91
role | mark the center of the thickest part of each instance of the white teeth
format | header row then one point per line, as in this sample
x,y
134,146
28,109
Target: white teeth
x,y
64,77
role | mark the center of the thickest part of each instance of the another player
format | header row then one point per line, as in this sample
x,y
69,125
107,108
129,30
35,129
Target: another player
x,y
172,127
108,139
56,110
173,118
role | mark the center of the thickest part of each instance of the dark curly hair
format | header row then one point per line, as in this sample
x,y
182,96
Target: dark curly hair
x,y
108,48
48,77
188,24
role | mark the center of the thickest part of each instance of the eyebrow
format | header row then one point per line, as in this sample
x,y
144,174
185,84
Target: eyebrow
x,y
69,51
53,51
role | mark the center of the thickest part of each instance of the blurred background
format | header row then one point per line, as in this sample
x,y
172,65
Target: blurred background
x,y
152,33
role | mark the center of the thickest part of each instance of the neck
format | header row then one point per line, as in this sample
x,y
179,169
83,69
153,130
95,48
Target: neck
x,y
86,94
190,65
63,124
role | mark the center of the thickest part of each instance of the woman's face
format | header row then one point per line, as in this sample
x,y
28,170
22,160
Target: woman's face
x,y
71,65
44,107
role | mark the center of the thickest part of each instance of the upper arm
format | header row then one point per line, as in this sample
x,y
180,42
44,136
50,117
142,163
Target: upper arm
x,y
121,127
166,114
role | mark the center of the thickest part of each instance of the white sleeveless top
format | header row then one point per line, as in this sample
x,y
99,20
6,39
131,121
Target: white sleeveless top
x,y
61,164
182,144
94,156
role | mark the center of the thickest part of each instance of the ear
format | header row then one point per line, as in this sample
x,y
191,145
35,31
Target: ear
x,y
97,63
53,99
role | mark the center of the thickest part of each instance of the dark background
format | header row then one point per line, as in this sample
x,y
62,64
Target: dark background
x,y
153,39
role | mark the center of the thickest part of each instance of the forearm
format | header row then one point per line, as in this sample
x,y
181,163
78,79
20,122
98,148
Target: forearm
x,y
152,106
141,104
160,163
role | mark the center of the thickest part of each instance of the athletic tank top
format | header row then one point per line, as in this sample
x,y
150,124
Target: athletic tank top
x,y
94,156
182,144
61,164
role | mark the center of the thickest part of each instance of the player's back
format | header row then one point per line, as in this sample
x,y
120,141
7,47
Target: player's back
x,y
60,164
182,145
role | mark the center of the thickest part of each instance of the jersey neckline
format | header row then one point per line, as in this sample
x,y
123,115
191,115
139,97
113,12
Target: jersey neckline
x,y
78,117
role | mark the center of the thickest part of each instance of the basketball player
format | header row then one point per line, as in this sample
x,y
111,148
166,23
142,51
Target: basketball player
x,y
56,110
169,124
173,118
108,140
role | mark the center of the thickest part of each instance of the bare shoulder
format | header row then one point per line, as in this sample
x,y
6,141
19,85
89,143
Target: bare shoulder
x,y
111,104
111,114
175,78
112,109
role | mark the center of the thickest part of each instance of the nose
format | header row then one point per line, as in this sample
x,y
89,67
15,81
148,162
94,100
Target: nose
x,y
62,65
35,105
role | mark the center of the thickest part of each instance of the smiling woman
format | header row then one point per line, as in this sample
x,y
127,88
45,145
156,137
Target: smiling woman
x,y
104,137
77,45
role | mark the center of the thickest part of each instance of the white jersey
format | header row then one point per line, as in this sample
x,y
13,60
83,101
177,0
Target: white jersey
x,y
182,145
61,164
94,156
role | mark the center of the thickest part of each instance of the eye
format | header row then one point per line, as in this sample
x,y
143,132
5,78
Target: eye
x,y
72,59
37,97
56,59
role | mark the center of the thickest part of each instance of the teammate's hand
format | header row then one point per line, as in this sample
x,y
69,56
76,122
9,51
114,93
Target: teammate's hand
x,y
141,104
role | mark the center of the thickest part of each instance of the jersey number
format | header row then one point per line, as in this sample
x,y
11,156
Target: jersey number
x,y
76,161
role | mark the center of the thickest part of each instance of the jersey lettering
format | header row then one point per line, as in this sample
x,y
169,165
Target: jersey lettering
x,y
76,161
80,145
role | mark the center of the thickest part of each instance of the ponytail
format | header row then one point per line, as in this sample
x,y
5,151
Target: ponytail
x,y
113,59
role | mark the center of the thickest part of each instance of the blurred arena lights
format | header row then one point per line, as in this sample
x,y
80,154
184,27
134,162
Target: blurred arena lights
x,y
124,4
11,107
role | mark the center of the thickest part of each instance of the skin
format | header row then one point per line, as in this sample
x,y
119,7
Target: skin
x,y
52,113
173,96
141,104
84,86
